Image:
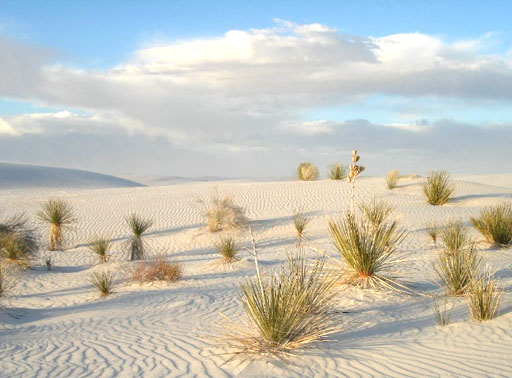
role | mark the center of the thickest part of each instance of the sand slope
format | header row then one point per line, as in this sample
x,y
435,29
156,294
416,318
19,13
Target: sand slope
x,y
57,326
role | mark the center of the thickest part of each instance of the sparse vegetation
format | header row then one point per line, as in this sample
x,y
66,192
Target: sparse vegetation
x,y
392,179
337,171
307,171
228,249
300,221
158,269
17,241
454,237
483,297
495,224
138,226
103,281
443,313
59,215
376,212
49,262
368,252
4,281
222,213
354,171
100,247
438,188
432,230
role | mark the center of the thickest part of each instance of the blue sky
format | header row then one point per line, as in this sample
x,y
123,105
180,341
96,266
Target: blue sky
x,y
67,54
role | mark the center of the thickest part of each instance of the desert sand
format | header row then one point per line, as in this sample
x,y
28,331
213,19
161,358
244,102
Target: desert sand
x,y
55,324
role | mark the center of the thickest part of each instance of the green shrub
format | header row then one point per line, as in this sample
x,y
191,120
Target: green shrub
x,y
454,236
138,226
483,297
228,249
438,188
101,247
376,212
495,224
59,215
337,171
102,281
457,270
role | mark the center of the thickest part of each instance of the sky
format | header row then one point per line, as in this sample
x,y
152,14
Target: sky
x,y
250,89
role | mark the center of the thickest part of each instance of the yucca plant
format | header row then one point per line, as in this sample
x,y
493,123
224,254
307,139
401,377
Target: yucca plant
x,y
103,281
432,230
307,171
59,215
376,212
495,224
454,236
457,270
100,247
300,221
438,188
228,249
483,297
368,253
138,226
337,171
442,314
17,241
14,250
392,179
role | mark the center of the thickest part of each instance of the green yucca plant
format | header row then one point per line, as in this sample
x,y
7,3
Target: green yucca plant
x,y
100,247
438,188
17,241
376,212
368,252
432,230
483,297
138,226
392,179
454,236
228,249
457,270
300,221
103,281
307,171
337,171
59,215
495,224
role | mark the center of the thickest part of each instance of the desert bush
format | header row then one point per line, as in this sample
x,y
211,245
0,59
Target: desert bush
x,y
438,188
300,221
458,269
442,314
432,230
103,281
392,179
158,269
368,252
59,215
337,171
376,212
100,247
454,236
17,241
483,297
138,226
307,171
495,224
221,213
228,249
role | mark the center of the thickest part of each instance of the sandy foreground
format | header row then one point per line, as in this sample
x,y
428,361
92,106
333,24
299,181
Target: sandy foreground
x,y
56,325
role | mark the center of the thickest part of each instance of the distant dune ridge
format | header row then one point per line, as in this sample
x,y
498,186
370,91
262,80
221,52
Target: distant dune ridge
x,y
15,176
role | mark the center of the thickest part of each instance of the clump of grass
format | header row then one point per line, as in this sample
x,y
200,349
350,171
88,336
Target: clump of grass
x,y
138,226
103,281
495,224
454,236
158,269
17,241
337,171
300,221
368,253
458,269
222,213
432,230
438,188
392,179
4,280
100,247
442,314
287,310
59,215
483,297
307,171
228,249
376,212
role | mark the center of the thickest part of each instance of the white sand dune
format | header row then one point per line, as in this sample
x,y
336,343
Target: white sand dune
x,y
56,325
16,176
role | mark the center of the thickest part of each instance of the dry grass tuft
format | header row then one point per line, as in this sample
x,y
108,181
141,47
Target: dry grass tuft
x,y
100,247
103,281
59,215
483,297
376,212
432,230
438,188
307,171
228,249
442,314
337,171
495,224
17,241
221,213
158,269
138,226
455,237
300,221
392,179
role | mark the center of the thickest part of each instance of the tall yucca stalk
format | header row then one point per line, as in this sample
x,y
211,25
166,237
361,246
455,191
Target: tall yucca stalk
x,y
483,297
376,212
495,224
59,215
457,270
368,252
100,247
354,171
455,236
138,226
438,188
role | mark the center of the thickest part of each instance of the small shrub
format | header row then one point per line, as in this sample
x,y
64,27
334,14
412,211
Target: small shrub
x,y
483,297
101,247
307,171
442,314
138,226
228,249
59,215
17,241
438,188
454,237
337,171
223,214
495,224
392,179
376,212
432,230
158,269
300,221
457,270
369,253
102,281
